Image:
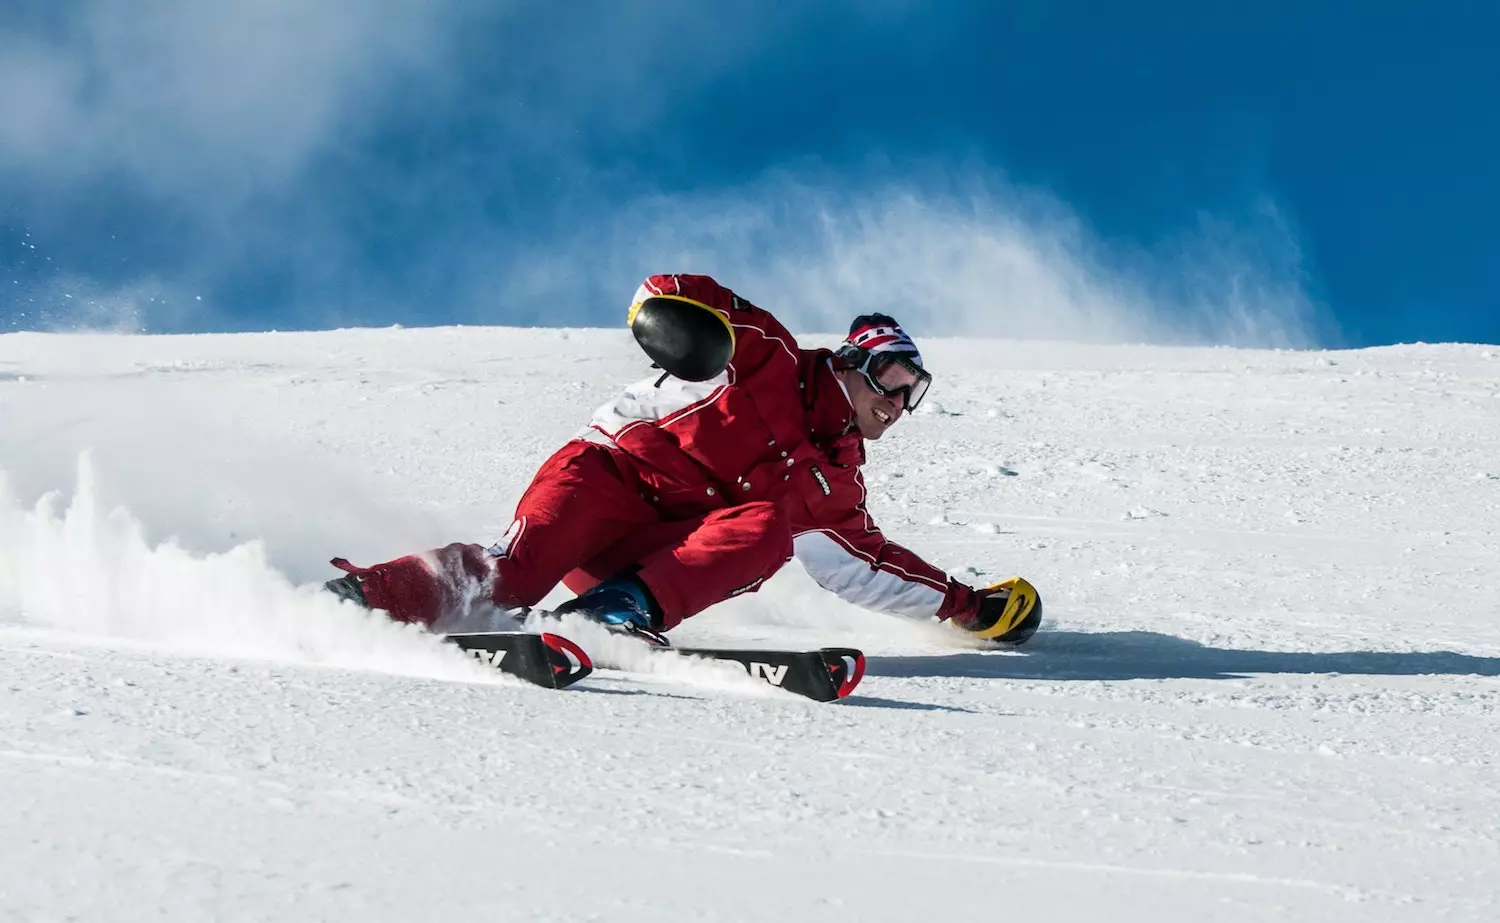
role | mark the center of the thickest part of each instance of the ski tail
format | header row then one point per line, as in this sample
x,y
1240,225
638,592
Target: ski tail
x,y
542,659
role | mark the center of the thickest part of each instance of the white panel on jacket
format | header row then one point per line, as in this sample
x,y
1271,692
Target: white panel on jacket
x,y
644,401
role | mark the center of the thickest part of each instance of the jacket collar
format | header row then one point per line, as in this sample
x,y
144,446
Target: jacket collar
x,y
830,414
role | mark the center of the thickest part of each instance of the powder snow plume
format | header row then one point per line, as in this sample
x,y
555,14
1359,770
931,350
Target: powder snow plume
x,y
74,564
71,563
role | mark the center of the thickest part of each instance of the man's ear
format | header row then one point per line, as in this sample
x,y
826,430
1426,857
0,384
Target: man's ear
x,y
851,379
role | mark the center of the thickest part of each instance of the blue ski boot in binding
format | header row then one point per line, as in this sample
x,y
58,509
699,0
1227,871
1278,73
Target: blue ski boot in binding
x,y
622,604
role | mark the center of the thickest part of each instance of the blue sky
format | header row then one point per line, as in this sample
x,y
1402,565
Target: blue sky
x,y
1268,173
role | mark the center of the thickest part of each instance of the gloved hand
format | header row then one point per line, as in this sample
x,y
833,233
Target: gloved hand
x,y
1008,611
683,337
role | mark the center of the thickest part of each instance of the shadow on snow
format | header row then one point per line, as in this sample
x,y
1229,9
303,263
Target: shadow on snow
x,y
1117,655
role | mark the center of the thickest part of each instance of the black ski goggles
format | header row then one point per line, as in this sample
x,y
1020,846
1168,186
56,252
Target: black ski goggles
x,y
895,373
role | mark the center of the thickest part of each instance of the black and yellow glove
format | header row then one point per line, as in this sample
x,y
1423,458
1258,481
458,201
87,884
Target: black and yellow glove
x,y
1009,611
685,338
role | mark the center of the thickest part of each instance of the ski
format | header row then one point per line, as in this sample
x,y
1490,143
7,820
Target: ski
x,y
542,659
823,675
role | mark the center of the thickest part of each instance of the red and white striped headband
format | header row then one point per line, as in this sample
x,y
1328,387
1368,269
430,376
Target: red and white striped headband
x,y
881,338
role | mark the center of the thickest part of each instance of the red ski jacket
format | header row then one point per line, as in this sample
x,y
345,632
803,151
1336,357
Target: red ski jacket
x,y
775,425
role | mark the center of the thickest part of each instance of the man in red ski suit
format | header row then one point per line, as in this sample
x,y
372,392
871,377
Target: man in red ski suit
x,y
683,493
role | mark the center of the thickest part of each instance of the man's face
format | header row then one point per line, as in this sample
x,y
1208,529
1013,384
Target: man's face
x,y
874,413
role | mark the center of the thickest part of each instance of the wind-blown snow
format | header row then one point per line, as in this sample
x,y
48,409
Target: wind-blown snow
x,y
1269,686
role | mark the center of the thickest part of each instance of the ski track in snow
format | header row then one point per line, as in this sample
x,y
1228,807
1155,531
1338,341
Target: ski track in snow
x,y
1268,686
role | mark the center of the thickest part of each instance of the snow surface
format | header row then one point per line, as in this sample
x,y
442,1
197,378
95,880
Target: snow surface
x,y
1268,687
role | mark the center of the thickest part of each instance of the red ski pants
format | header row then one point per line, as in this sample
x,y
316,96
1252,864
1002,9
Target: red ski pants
x,y
584,520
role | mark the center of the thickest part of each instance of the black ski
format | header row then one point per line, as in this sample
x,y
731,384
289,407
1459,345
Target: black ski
x,y
543,659
823,675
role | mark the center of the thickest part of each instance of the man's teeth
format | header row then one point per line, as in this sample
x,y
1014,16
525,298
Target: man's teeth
x,y
882,416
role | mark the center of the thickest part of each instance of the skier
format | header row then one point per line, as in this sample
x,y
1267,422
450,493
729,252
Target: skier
x,y
698,484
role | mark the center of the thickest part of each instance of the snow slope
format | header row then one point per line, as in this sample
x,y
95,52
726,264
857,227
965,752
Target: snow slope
x,y
1269,686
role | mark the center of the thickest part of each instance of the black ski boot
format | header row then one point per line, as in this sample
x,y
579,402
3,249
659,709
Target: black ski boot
x,y
348,588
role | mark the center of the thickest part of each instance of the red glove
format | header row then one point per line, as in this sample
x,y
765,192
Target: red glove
x,y
963,604
989,612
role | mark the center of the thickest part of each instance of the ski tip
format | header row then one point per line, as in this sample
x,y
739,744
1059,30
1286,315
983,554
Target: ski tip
x,y
569,662
846,667
853,675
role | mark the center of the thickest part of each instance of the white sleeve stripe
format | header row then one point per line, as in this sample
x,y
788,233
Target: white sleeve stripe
x,y
828,561
883,565
841,540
